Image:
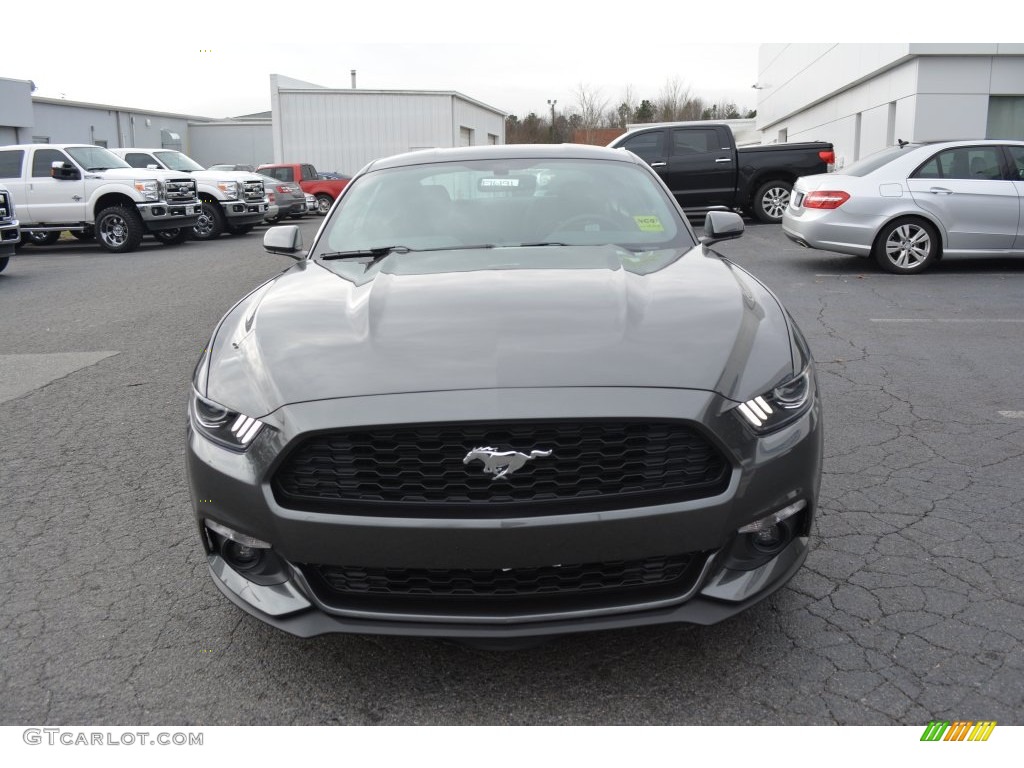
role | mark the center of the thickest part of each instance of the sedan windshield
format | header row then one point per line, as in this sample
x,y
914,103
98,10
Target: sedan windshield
x,y
96,158
505,203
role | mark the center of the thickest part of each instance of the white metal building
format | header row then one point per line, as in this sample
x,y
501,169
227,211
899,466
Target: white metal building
x,y
864,97
28,119
343,129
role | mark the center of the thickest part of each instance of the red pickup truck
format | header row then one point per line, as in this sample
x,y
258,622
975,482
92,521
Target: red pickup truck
x,y
305,175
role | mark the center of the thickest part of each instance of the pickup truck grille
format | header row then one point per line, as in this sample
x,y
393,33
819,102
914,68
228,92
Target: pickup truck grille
x,y
5,207
423,469
253,191
181,191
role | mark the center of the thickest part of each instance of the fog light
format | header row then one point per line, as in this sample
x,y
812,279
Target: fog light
x,y
239,556
768,538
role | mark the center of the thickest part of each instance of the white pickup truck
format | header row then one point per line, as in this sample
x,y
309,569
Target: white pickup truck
x,y
233,201
91,192
10,234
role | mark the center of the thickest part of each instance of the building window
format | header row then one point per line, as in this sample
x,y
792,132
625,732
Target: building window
x,y
783,136
890,125
1005,117
100,142
40,139
465,137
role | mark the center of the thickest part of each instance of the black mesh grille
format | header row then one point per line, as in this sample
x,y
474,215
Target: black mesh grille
x,y
592,464
512,591
511,582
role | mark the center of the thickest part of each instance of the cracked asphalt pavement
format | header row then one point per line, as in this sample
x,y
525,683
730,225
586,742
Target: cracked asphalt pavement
x,y
910,606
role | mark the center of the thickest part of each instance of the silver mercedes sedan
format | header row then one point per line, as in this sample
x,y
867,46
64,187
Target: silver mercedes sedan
x,y
909,205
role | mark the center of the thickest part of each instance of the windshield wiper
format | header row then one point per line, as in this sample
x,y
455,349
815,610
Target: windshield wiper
x,y
375,253
459,247
539,245
93,170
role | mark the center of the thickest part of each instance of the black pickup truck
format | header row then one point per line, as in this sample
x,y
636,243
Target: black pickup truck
x,y
701,164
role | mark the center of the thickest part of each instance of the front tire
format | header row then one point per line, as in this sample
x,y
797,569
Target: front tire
x,y
323,203
173,236
906,246
119,229
3,262
210,224
771,201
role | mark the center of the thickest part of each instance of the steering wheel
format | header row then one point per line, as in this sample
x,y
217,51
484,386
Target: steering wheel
x,y
574,222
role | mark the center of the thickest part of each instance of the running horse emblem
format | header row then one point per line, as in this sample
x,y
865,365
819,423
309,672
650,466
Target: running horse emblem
x,y
502,463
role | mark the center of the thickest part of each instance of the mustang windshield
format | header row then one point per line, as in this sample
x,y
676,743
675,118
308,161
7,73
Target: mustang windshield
x,y
505,203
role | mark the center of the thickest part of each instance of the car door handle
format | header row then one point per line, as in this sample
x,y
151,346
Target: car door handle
x,y
940,191
723,160
658,165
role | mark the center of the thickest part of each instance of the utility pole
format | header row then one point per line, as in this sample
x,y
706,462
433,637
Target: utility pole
x,y
551,103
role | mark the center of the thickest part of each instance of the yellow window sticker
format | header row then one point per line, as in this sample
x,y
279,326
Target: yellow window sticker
x,y
648,223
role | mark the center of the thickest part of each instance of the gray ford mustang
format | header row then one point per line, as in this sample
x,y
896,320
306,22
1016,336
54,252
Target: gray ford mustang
x,y
506,394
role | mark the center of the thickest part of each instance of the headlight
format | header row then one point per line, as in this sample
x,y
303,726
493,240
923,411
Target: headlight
x,y
232,189
221,425
151,191
782,405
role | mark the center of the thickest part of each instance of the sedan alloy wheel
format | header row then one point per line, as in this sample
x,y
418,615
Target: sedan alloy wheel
x,y
906,247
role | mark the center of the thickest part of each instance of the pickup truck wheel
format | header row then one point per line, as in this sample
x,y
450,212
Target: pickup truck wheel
x,y
173,236
42,238
3,262
770,201
323,203
211,222
119,229
906,246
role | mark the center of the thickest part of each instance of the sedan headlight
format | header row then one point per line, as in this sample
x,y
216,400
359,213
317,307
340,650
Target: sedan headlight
x,y
222,425
151,191
780,406
232,189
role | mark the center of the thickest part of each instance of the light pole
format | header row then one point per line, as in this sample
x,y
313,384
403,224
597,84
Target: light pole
x,y
551,103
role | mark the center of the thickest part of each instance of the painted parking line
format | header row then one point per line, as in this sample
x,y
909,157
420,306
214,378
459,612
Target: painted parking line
x,y
1012,414
946,320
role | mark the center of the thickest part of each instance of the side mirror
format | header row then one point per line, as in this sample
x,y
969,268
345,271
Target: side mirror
x,y
721,225
285,240
152,167
64,171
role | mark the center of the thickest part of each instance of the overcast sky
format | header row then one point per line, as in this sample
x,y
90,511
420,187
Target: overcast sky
x,y
215,62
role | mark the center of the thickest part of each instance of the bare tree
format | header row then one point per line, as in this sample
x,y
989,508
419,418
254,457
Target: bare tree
x,y
674,97
590,106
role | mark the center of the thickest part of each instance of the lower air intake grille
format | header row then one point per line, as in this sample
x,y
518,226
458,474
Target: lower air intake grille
x,y
510,592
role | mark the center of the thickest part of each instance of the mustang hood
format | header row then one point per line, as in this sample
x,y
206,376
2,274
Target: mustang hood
x,y
500,318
